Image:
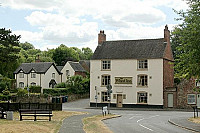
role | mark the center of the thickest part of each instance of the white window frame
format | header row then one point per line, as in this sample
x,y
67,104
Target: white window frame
x,y
191,98
21,84
21,75
142,64
53,75
105,96
67,73
142,97
106,65
105,80
142,80
33,75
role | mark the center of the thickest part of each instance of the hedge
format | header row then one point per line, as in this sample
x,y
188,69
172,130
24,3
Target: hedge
x,y
34,89
56,91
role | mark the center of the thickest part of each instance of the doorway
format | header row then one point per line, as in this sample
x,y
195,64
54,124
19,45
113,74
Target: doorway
x,y
119,100
170,100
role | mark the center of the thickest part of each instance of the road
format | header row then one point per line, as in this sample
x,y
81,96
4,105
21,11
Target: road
x,y
135,121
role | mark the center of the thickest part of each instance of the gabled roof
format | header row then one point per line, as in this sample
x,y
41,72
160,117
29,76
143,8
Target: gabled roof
x,y
39,67
60,68
131,49
76,66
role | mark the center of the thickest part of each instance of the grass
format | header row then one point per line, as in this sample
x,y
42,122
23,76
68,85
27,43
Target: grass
x,y
195,120
94,124
30,126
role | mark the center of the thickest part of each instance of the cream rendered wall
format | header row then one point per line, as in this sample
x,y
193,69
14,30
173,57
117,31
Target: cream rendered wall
x,y
24,80
128,68
71,71
46,78
35,80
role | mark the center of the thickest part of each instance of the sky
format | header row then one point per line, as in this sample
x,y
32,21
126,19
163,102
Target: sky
x,y
76,23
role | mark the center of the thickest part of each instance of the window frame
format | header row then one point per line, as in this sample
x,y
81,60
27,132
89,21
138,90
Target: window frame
x,y
197,82
104,97
106,65
67,73
105,80
142,99
140,80
21,75
21,84
33,84
193,99
53,75
33,75
142,64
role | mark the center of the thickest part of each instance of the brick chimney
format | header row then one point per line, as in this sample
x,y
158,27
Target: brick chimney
x,y
101,37
37,59
166,34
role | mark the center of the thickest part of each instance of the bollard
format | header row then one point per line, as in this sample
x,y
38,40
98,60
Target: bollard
x,y
194,111
197,111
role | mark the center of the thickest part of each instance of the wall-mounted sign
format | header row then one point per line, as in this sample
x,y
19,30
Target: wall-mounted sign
x,y
123,80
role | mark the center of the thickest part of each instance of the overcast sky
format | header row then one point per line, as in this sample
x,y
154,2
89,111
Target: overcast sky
x,y
49,23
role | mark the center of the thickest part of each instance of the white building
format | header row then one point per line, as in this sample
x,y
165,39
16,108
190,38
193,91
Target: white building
x,y
46,74
138,70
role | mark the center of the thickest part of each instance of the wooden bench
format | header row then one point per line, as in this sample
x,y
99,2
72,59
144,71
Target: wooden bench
x,y
2,113
35,113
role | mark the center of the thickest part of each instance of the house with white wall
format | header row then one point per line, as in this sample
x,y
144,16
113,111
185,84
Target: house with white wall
x,y
139,72
46,74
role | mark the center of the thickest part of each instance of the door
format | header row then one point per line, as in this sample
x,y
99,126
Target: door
x,y
170,100
198,100
119,100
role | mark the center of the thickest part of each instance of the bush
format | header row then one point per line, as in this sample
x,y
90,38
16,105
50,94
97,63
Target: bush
x,y
56,91
35,89
22,92
5,97
61,85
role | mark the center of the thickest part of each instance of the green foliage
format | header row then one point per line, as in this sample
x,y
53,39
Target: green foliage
x,y
22,92
9,49
26,46
56,91
5,97
6,83
35,89
78,85
6,91
61,85
186,40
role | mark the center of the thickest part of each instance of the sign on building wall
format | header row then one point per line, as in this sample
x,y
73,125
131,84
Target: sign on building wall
x,y
123,80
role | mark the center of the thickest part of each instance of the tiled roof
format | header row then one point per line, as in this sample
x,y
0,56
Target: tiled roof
x,y
76,66
131,49
39,67
60,68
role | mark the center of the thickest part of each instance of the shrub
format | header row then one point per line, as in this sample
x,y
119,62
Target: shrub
x,y
5,97
61,85
22,92
56,91
35,89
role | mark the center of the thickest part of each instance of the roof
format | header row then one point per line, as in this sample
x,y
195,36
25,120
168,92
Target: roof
x,y
76,66
86,62
39,67
60,68
131,49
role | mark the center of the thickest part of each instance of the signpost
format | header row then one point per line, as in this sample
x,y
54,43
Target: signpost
x,y
96,95
109,91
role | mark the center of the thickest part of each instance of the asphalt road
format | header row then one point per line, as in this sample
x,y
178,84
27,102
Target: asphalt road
x,y
132,121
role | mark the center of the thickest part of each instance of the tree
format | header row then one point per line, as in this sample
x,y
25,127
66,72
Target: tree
x,y
26,46
186,40
87,52
9,49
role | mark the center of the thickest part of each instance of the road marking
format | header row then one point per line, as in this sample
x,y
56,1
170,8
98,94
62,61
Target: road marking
x,y
134,116
146,118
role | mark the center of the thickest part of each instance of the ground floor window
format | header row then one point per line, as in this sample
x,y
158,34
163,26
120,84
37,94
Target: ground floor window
x,y
33,84
142,97
191,98
104,96
21,84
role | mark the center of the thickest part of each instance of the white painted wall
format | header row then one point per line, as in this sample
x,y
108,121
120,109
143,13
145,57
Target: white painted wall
x,y
71,71
128,68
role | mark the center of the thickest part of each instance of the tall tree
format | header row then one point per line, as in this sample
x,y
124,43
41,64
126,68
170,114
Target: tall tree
x,y
186,40
27,46
9,49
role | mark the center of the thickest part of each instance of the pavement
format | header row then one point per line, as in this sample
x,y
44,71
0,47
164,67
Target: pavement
x,y
74,124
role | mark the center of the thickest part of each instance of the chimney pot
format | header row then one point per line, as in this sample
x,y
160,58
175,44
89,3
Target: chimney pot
x,y
101,37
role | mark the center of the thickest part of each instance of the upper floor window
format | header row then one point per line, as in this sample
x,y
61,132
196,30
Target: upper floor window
x,y
33,75
142,80
21,84
142,97
142,64
197,82
53,75
21,75
191,99
33,84
106,65
67,73
105,80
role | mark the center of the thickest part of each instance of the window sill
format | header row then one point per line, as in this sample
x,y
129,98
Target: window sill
x,y
142,69
141,103
105,69
142,86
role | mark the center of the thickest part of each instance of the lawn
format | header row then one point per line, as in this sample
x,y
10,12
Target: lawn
x,y
30,126
94,124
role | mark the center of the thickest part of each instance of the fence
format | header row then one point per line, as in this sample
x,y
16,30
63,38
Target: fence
x,y
16,106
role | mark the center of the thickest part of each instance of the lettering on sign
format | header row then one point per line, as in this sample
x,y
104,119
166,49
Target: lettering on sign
x,y
123,80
